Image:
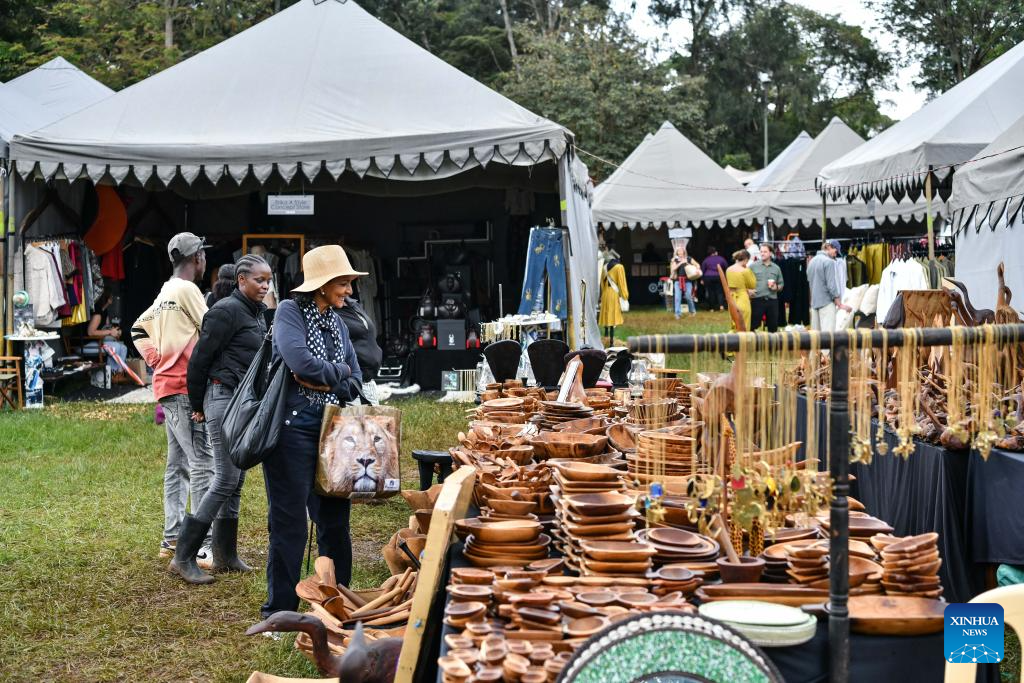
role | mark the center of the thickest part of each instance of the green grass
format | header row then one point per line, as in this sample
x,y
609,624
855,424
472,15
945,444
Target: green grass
x,y
659,321
83,596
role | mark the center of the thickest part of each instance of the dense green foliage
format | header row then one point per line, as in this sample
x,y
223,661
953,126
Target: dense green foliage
x,y
577,61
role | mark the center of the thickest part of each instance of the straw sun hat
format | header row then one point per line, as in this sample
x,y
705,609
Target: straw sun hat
x,y
323,264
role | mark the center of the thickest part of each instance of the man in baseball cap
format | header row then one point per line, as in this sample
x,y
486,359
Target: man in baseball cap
x,y
826,290
165,336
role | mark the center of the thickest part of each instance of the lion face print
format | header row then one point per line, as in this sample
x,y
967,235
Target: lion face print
x,y
360,452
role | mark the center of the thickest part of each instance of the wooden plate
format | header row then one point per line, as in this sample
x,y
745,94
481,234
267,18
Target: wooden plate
x,y
892,615
617,567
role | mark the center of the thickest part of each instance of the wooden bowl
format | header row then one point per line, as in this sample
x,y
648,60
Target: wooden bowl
x,y
586,626
587,472
674,537
637,600
470,593
519,508
552,565
599,598
461,613
568,445
472,576
617,551
423,519
622,437
748,570
509,531
599,504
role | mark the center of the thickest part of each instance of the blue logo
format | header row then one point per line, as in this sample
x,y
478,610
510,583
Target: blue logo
x,y
973,633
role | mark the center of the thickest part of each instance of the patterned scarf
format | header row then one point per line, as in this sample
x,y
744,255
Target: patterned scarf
x,y
317,324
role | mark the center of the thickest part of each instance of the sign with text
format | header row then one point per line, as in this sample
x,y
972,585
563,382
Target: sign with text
x,y
863,224
289,205
973,633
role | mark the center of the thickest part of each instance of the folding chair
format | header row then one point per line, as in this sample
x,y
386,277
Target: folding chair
x,y
10,382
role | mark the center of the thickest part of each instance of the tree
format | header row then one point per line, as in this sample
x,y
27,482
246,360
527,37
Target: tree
x,y
705,18
952,39
818,67
594,76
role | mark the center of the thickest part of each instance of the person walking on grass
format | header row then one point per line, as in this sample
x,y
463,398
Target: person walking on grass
x,y
682,286
765,302
826,295
232,333
165,335
712,284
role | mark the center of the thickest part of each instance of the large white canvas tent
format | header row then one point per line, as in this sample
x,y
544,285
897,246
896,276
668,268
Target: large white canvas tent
x,y
943,134
988,192
45,94
669,180
767,177
320,93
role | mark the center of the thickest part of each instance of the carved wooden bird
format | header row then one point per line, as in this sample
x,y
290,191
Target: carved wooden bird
x,y
373,662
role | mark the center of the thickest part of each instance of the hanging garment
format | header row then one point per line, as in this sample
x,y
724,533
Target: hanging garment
x,y
613,277
797,292
545,262
364,262
112,263
876,258
841,276
44,285
898,276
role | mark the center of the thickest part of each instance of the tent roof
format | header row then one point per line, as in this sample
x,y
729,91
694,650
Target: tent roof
x,y
46,94
317,83
767,177
992,183
668,179
739,175
946,132
795,201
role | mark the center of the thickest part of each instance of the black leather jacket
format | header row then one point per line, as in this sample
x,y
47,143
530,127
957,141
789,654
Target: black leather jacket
x,y
230,337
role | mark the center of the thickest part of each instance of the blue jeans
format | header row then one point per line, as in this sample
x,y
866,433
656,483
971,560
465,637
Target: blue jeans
x,y
289,473
683,290
546,254
224,495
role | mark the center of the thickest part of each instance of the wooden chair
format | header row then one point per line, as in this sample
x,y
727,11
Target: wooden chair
x,y
11,382
1012,600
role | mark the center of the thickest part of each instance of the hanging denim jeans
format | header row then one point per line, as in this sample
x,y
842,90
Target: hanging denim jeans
x,y
546,257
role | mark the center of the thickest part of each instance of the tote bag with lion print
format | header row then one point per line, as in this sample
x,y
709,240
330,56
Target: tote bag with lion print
x,y
358,456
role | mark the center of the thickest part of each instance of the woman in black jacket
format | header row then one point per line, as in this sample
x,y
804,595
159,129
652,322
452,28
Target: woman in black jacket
x,y
230,337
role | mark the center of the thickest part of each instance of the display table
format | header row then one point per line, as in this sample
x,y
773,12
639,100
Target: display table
x,y
994,526
425,366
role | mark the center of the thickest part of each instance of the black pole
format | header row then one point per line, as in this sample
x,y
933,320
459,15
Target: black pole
x,y
768,341
839,519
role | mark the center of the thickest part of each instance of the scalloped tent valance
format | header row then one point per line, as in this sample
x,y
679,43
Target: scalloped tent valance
x,y
943,134
668,179
318,87
991,185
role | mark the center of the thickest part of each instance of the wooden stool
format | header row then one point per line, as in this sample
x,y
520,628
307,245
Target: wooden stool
x,y
10,382
426,461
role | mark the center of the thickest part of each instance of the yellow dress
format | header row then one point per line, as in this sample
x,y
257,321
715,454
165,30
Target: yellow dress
x,y
739,282
611,311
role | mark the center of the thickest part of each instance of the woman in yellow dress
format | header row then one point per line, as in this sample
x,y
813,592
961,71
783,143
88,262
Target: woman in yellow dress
x,y
613,291
741,283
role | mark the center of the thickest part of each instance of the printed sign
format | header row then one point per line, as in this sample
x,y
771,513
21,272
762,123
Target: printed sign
x,y
863,224
973,633
289,205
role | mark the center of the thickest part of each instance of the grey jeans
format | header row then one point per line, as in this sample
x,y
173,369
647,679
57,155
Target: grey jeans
x,y
223,497
189,462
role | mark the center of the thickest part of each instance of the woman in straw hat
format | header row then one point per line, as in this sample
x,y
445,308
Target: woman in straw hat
x,y
314,344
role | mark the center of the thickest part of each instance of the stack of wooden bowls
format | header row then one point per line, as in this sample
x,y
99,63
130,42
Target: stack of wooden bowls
x,y
672,578
521,483
662,455
597,516
503,410
615,558
808,564
597,425
661,387
601,400
654,414
677,546
553,413
515,542
910,565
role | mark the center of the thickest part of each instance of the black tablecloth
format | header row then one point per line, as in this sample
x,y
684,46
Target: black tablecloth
x,y
426,365
925,492
994,491
873,659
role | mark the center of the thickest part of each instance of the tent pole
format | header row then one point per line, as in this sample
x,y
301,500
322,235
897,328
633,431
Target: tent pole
x,y
928,214
824,216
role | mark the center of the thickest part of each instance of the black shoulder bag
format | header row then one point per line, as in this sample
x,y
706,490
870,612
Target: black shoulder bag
x,y
253,417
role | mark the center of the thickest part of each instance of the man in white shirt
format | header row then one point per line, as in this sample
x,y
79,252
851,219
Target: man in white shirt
x,y
752,249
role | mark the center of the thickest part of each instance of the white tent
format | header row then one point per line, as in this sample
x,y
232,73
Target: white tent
x,y
318,91
46,94
943,134
988,192
317,86
669,180
739,175
767,177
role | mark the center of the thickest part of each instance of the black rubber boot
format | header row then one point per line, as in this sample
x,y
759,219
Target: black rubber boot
x,y
190,540
225,547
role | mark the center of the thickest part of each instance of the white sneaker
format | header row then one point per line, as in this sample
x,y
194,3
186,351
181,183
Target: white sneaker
x,y
166,549
204,558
